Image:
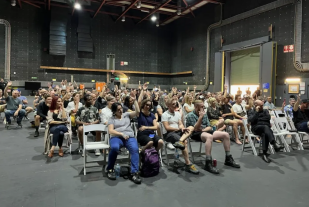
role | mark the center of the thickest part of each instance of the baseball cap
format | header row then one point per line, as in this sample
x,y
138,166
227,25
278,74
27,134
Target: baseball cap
x,y
304,101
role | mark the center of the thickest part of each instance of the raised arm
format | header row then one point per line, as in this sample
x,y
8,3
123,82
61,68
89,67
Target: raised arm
x,y
136,112
296,105
5,92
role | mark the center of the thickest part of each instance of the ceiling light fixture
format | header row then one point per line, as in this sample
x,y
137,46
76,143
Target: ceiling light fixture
x,y
139,4
123,19
179,7
154,18
77,6
13,2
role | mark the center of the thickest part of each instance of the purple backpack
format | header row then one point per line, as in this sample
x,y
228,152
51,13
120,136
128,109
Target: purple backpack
x,y
150,163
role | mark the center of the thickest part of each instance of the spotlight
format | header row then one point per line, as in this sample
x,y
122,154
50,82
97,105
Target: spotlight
x,y
153,18
77,6
158,25
13,2
178,11
139,4
123,19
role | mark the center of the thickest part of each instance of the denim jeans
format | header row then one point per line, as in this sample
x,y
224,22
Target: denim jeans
x,y
20,116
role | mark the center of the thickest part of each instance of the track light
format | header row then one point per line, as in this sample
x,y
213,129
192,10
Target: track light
x,y
154,18
77,6
158,20
179,7
123,19
139,4
13,2
178,11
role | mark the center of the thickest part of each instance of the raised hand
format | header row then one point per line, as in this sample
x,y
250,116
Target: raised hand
x,y
145,86
9,83
201,113
194,87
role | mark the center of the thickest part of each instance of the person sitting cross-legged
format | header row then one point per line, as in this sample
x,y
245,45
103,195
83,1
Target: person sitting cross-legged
x,y
57,118
203,132
260,125
122,135
14,106
175,132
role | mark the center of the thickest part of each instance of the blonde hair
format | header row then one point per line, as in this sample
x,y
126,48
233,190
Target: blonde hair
x,y
211,100
187,99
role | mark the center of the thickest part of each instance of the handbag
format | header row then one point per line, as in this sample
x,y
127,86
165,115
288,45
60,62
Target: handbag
x,y
242,114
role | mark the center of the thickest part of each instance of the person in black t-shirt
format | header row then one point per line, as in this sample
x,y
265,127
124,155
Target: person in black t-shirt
x,y
301,120
228,115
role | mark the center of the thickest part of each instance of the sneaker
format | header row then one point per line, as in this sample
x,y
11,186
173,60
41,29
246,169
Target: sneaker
x,y
36,133
210,168
191,169
136,178
26,117
19,124
180,145
83,153
229,161
170,146
97,152
111,174
4,121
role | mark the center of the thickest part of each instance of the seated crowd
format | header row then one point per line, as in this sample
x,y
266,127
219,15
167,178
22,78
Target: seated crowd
x,y
201,116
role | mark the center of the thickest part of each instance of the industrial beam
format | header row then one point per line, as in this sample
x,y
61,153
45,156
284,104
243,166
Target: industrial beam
x,y
95,14
154,11
184,1
189,8
32,4
127,9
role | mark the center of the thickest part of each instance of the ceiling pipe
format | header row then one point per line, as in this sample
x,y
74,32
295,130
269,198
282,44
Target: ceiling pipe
x,y
211,27
7,62
298,65
245,15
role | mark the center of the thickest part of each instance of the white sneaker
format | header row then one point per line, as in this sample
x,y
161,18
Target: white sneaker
x,y
97,152
170,146
4,121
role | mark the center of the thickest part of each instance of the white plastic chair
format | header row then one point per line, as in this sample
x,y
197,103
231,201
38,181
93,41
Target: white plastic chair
x,y
281,124
94,145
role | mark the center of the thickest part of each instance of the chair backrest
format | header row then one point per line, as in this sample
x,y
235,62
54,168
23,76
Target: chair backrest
x,y
134,126
93,127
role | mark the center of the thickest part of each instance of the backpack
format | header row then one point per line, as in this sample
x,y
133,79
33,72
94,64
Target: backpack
x,y
150,163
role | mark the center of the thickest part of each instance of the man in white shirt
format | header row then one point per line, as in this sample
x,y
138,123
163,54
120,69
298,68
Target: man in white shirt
x,y
239,109
175,132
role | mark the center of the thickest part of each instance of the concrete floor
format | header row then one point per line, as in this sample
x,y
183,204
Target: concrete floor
x,y
29,179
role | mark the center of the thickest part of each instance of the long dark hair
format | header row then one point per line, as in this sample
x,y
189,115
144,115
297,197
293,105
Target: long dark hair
x,y
127,102
115,107
53,105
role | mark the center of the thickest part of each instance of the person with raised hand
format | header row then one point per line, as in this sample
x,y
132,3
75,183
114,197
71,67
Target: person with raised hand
x,y
301,120
122,135
13,106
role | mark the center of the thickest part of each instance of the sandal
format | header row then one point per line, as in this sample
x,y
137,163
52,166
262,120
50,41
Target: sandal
x,y
60,153
51,153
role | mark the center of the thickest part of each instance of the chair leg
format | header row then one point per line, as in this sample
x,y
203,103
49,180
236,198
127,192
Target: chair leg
x,y
300,144
190,147
165,150
84,161
252,145
286,146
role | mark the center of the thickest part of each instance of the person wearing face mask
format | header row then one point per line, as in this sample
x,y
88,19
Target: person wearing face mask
x,y
57,119
122,135
88,115
259,119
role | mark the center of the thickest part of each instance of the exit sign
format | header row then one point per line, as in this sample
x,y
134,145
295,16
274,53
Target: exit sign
x,y
288,48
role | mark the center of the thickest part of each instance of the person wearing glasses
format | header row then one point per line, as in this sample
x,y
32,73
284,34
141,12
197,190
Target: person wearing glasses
x,y
122,135
147,124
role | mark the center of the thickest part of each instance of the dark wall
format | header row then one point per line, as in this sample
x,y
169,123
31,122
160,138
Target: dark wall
x,y
144,46
193,33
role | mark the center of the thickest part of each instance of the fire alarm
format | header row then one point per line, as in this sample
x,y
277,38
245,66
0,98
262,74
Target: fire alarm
x,y
192,48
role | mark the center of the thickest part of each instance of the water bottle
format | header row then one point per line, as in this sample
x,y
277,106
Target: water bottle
x,y
117,171
214,128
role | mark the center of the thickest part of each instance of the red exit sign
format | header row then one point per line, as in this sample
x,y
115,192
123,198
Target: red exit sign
x,y
288,48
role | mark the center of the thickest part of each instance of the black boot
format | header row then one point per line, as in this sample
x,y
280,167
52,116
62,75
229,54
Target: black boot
x,y
135,178
208,167
229,161
277,147
265,158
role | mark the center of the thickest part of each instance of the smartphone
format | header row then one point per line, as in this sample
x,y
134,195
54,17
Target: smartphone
x,y
284,100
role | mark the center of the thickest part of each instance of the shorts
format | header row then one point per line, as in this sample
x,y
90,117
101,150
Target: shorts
x,y
213,122
143,139
226,121
197,135
172,137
